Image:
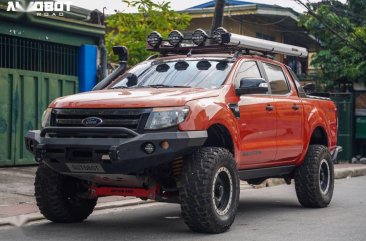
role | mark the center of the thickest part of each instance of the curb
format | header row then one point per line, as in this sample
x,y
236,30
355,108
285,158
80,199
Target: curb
x,y
349,172
18,221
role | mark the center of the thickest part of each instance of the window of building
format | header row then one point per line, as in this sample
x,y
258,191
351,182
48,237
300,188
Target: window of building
x,y
265,36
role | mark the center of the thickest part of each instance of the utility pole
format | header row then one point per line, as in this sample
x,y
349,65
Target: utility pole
x,y
218,14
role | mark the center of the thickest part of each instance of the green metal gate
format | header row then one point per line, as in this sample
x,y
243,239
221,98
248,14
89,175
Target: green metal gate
x,y
32,74
23,97
344,102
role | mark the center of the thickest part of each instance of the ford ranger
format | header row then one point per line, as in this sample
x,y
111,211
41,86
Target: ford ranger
x,y
185,126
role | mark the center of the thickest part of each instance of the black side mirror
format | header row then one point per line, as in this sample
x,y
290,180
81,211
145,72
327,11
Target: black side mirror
x,y
252,86
131,80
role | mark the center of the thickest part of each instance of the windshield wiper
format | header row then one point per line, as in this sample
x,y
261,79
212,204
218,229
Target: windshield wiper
x,y
167,86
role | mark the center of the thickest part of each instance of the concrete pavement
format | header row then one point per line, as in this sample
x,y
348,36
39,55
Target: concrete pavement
x,y
17,203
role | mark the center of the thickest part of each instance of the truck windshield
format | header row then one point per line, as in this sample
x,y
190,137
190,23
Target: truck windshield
x,y
185,74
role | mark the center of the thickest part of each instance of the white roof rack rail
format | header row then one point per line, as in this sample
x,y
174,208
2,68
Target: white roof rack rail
x,y
221,36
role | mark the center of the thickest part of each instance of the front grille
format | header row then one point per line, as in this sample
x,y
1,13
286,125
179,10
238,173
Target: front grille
x,y
134,119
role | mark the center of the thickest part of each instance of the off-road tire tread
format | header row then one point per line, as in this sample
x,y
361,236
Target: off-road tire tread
x,y
50,198
307,178
195,189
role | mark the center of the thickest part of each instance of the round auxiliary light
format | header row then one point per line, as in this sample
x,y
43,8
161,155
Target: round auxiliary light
x,y
199,37
175,38
217,35
154,39
149,148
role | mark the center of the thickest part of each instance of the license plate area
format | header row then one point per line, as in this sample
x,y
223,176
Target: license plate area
x,y
80,155
85,167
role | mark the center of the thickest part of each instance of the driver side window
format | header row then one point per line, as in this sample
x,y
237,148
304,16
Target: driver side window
x,y
248,69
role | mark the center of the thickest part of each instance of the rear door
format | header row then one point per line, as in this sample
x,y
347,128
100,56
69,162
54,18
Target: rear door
x,y
289,113
257,122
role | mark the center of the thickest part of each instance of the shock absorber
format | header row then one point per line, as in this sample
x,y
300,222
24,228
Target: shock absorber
x,y
177,166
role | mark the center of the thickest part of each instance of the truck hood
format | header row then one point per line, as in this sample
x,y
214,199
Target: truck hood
x,y
133,98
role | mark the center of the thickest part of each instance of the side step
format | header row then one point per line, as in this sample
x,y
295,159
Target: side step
x,y
266,172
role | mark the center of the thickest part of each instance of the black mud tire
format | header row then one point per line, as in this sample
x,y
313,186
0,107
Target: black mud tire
x,y
57,197
206,206
314,179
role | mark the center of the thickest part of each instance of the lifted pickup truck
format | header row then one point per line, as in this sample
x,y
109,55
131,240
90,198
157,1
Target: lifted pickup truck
x,y
184,127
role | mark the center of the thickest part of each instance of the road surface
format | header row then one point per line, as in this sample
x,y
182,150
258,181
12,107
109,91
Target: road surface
x,y
264,214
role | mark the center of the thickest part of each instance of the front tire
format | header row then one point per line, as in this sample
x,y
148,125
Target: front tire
x,y
209,190
314,179
58,197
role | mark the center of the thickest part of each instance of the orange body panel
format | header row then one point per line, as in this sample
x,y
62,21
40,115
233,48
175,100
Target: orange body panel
x,y
261,138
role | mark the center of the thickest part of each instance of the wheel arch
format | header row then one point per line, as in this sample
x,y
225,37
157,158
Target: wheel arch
x,y
220,136
319,136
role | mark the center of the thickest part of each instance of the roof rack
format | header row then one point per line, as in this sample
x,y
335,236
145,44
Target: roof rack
x,y
221,41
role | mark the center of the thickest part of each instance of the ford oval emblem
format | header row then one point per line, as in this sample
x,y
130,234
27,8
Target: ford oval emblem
x,y
92,121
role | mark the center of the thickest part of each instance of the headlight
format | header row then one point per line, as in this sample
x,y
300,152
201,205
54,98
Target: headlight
x,y
46,117
166,117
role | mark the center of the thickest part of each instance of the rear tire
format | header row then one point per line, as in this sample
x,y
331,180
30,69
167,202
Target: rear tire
x,y
314,179
209,190
58,197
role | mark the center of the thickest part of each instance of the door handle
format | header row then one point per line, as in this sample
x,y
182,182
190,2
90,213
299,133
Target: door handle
x,y
295,107
269,108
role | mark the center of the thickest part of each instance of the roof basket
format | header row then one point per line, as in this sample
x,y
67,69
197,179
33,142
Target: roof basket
x,y
220,41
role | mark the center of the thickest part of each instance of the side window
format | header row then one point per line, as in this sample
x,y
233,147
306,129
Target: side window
x,y
248,69
277,79
300,90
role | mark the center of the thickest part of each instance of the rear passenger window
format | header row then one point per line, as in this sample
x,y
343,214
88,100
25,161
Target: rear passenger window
x,y
277,79
248,69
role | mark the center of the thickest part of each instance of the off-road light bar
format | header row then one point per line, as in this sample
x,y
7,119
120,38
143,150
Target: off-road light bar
x,y
199,37
154,39
223,41
175,38
222,36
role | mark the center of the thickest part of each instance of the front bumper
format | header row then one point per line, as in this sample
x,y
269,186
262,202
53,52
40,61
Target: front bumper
x,y
120,155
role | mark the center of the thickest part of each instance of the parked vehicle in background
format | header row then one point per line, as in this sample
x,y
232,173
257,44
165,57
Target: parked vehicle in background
x,y
185,126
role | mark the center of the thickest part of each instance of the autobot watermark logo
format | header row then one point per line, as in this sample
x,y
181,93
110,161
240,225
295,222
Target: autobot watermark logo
x,y
42,8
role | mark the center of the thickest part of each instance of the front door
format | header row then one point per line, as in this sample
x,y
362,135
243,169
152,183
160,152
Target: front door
x,y
257,122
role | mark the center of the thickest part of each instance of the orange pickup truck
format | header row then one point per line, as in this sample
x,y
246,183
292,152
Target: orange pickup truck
x,y
184,127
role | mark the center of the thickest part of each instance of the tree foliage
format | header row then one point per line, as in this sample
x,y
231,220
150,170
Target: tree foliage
x,y
131,29
341,30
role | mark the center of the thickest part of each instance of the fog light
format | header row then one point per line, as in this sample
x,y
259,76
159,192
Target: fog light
x,y
149,148
164,145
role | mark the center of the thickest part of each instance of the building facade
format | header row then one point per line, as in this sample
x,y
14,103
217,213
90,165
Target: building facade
x,y
42,56
261,21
